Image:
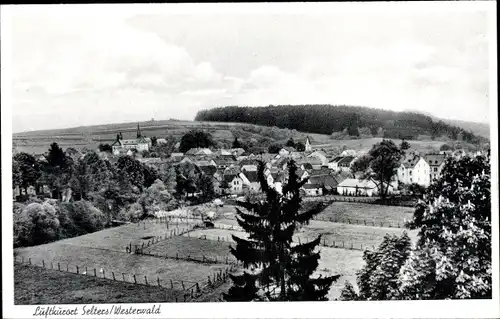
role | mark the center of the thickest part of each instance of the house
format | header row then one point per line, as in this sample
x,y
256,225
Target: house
x,y
161,141
314,162
353,186
319,155
250,180
285,151
345,163
436,163
312,189
223,163
249,168
177,157
140,143
348,153
308,145
207,167
203,152
234,182
327,182
321,171
414,169
237,151
334,163
366,187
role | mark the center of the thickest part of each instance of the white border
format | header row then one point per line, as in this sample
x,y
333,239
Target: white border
x,y
385,309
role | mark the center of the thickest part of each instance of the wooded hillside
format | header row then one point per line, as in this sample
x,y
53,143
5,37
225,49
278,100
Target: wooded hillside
x,y
350,120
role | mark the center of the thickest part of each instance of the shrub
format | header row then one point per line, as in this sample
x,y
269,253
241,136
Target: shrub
x,y
36,224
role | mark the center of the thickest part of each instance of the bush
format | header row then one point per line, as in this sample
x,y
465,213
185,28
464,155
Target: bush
x,y
35,224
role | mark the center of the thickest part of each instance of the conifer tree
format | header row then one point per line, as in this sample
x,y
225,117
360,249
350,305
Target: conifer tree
x,y
276,268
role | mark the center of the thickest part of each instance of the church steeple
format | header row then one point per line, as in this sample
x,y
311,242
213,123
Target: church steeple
x,y
138,131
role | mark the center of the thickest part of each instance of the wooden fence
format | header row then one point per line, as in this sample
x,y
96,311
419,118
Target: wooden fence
x,y
190,289
363,222
136,248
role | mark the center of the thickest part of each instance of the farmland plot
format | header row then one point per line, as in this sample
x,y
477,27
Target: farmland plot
x,y
185,247
387,215
358,236
38,286
117,238
117,262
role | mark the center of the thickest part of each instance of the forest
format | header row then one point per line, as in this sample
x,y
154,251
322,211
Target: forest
x,y
348,121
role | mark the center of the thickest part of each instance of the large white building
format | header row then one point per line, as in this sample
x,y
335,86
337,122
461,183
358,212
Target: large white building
x,y
414,169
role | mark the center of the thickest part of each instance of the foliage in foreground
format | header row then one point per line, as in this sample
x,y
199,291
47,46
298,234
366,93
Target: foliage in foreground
x,y
276,268
452,258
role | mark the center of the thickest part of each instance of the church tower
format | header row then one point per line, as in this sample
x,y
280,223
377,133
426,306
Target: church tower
x,y
308,145
138,131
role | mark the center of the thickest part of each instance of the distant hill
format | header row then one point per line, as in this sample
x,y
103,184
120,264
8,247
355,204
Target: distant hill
x,y
350,120
481,129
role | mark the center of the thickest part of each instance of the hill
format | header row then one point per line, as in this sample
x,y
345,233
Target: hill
x,y
91,136
349,120
480,129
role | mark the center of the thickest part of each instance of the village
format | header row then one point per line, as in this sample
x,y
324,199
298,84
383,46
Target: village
x,y
234,171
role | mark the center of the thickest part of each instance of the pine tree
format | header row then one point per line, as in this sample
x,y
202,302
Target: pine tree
x,y
276,268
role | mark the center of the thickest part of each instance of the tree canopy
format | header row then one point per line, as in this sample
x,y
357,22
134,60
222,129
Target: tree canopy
x,y
194,139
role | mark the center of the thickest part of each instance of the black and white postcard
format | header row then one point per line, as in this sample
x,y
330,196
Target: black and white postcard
x,y
243,160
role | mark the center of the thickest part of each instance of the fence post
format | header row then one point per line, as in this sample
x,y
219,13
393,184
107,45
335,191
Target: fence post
x,y
51,265
95,273
67,267
171,284
123,276
29,260
183,287
43,263
146,279
177,256
158,280
135,279
59,266
113,274
77,270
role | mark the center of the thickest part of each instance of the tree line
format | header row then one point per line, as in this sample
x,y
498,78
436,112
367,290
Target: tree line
x,y
349,120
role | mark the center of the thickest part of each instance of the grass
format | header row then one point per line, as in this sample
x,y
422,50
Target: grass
x,y
356,235
117,238
388,215
183,246
36,286
118,262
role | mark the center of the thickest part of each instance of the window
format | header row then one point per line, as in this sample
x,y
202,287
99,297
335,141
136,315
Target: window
x,y
410,173
435,169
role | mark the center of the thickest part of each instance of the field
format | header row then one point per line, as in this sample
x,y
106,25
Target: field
x,y
119,262
184,247
118,238
37,286
91,136
387,215
173,262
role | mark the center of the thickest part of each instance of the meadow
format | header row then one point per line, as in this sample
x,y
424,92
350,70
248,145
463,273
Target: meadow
x,y
38,286
372,214
91,136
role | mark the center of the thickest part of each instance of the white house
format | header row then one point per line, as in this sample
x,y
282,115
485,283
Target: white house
x,y
365,187
285,151
436,164
345,163
235,183
251,180
312,189
320,156
348,153
334,163
414,169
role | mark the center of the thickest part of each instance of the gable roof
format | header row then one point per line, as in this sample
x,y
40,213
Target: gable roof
x,y
251,176
336,159
327,181
410,161
353,182
435,159
346,160
311,186
321,171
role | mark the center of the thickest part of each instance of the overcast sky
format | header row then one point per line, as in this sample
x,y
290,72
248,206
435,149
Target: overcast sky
x,y
81,67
